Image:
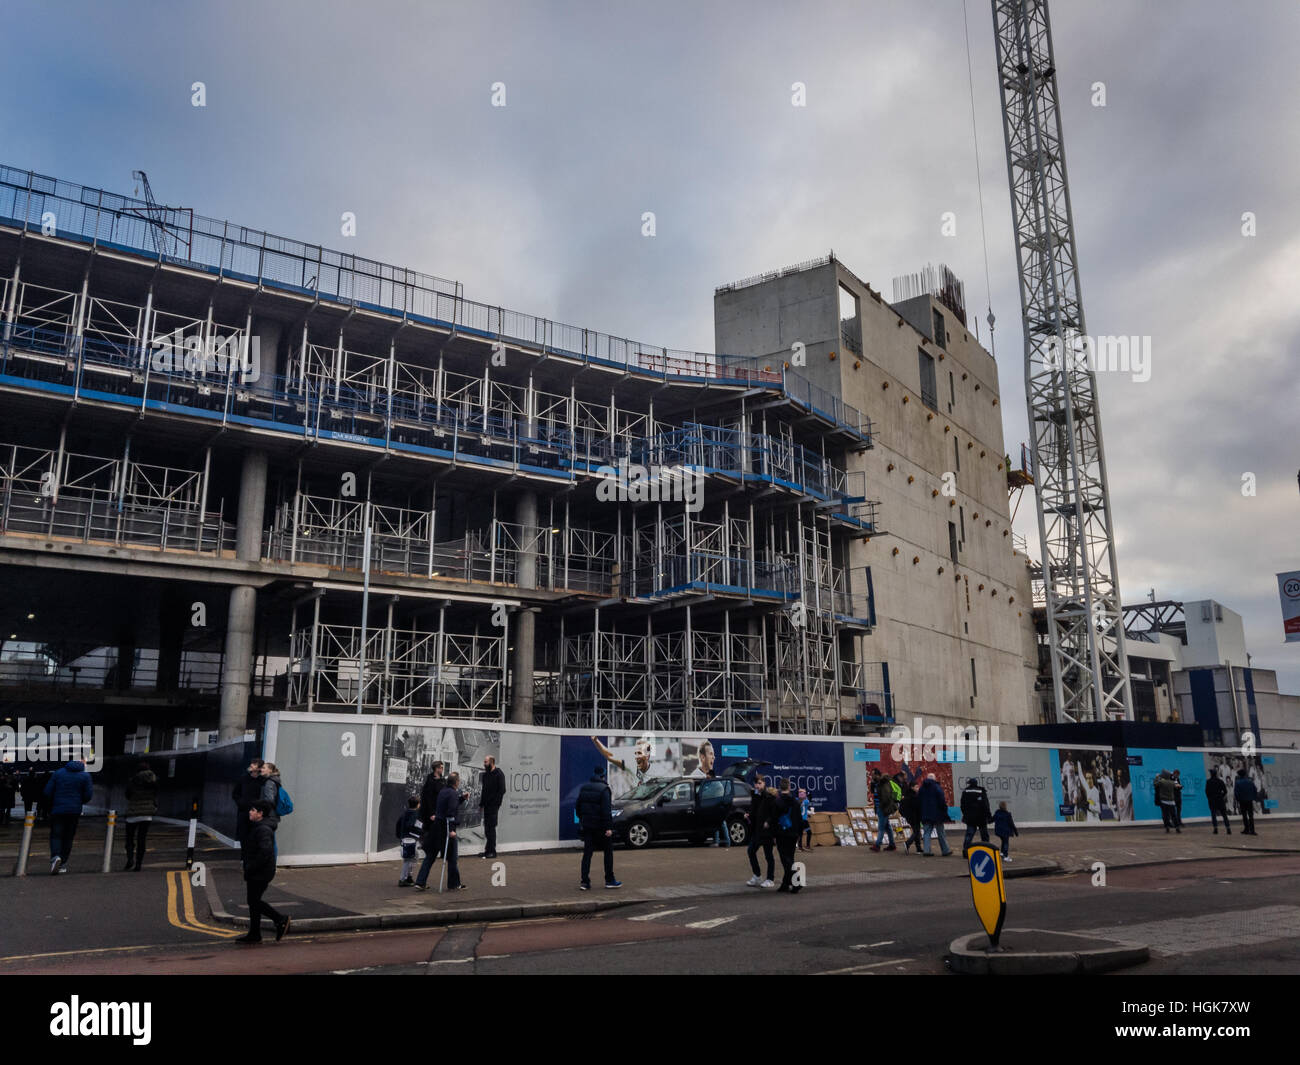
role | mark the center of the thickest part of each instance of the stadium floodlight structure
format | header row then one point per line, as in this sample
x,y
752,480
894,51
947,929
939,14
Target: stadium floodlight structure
x,y
1084,620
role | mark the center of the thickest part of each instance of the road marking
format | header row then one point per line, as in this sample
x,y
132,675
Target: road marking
x,y
95,950
714,923
864,968
661,913
178,883
868,946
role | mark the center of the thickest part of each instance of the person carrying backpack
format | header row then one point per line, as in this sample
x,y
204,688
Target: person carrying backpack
x,y
887,795
789,824
274,792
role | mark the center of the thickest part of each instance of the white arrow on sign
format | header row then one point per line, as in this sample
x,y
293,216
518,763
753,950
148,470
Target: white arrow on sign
x,y
979,870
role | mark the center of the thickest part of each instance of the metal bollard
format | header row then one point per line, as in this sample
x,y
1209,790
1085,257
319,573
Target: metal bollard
x,y
108,841
29,822
194,829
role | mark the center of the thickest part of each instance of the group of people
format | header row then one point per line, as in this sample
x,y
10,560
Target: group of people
x,y
925,810
1168,788
777,817
429,822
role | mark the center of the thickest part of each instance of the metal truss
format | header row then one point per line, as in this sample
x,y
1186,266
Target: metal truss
x,y
1085,630
439,673
53,492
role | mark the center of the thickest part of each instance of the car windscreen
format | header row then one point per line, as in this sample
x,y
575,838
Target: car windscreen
x,y
644,790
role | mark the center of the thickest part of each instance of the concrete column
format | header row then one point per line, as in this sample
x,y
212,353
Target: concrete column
x,y
125,670
241,618
268,332
522,664
173,619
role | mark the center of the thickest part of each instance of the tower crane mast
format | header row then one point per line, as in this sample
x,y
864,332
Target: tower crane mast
x,y
1090,675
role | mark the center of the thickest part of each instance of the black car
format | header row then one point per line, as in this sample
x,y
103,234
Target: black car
x,y
682,808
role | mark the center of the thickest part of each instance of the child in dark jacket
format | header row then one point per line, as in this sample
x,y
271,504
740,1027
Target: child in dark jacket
x,y
408,832
1004,827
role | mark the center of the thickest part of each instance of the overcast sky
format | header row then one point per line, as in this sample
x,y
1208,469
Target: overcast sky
x,y
684,109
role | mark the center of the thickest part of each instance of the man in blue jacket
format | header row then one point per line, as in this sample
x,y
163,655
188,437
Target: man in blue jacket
x,y
68,790
596,815
934,814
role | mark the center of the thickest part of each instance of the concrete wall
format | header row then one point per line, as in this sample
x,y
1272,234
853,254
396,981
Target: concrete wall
x,y
1210,643
934,616
765,320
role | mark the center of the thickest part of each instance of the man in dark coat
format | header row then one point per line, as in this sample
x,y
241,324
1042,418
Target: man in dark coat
x,y
247,790
68,790
433,784
490,798
975,812
1246,794
449,800
786,824
258,854
596,816
934,814
760,833
1216,794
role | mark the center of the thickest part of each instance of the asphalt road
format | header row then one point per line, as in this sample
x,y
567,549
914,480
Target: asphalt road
x,y
1214,917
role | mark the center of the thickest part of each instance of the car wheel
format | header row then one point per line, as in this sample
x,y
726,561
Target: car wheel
x,y
638,834
739,832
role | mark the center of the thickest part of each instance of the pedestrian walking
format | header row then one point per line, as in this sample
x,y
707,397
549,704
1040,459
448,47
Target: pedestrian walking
x,y
1178,795
1004,827
596,816
1216,795
258,854
433,784
975,813
8,790
448,814
435,835
141,805
247,790
760,833
787,824
491,795
910,807
408,835
887,795
1166,798
68,790
805,812
1246,793
934,814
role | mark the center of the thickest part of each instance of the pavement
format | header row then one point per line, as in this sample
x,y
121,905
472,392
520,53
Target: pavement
x,y
545,884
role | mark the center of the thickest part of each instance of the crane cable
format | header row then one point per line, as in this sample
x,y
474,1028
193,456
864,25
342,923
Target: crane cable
x,y
979,180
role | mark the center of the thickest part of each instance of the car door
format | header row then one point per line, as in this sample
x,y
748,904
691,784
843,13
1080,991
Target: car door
x,y
712,800
676,810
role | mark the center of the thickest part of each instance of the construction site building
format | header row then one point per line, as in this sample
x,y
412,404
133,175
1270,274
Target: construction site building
x,y
217,444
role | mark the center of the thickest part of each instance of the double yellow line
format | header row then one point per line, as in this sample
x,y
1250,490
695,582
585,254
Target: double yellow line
x,y
178,887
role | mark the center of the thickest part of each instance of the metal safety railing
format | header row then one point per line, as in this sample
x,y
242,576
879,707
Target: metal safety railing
x,y
35,201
